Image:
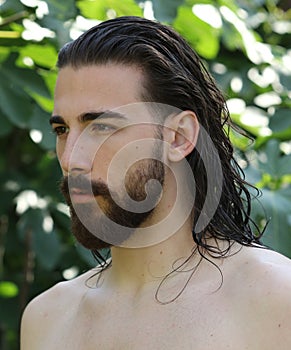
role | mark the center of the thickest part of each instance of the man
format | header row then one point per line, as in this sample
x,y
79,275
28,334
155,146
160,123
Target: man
x,y
149,172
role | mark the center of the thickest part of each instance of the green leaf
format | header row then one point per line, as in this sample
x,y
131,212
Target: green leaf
x,y
61,28
10,314
6,126
14,103
40,121
200,35
46,245
8,289
11,6
93,9
12,42
4,53
281,120
253,174
285,80
284,165
274,163
194,2
24,79
276,205
61,219
166,10
98,9
47,248
50,78
238,140
42,55
231,38
17,87
62,10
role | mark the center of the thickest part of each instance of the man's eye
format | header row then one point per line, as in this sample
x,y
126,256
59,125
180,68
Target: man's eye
x,y
102,128
60,130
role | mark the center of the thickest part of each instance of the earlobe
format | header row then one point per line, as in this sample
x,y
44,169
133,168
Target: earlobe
x,y
183,130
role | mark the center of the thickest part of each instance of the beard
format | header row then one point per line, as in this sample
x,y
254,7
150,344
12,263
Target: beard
x,y
97,226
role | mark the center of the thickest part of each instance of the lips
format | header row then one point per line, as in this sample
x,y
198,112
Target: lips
x,y
78,195
79,191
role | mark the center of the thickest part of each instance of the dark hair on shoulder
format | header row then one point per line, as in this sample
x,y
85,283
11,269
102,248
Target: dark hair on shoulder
x,y
175,75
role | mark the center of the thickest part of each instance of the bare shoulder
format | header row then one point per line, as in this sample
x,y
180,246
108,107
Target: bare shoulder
x,y
55,297
266,267
264,278
51,308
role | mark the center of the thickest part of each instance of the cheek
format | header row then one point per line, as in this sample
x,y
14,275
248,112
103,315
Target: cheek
x,y
120,152
59,150
102,161
111,163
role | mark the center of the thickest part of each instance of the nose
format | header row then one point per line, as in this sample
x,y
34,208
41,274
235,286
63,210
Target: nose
x,y
73,155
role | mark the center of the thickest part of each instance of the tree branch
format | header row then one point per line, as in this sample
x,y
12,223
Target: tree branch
x,y
13,18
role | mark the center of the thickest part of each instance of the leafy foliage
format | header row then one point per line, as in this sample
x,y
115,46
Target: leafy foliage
x,y
243,43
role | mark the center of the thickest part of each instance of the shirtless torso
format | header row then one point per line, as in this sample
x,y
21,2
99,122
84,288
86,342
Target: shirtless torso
x,y
251,310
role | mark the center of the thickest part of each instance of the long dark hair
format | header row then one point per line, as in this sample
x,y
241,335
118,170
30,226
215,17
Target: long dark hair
x,y
175,75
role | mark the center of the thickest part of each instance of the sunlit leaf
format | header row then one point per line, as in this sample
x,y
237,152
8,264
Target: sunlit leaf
x,y
99,9
4,53
8,289
42,55
93,9
200,35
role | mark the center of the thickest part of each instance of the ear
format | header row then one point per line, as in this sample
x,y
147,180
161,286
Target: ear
x,y
181,134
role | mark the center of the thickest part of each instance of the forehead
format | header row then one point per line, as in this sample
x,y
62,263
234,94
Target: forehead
x,y
98,87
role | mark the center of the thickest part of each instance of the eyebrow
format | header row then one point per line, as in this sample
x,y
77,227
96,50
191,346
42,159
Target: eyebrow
x,y
89,116
56,119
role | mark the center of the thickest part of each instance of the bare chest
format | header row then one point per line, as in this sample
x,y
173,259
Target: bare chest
x,y
126,326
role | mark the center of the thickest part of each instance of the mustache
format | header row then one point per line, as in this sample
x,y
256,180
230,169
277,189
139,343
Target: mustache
x,y
81,183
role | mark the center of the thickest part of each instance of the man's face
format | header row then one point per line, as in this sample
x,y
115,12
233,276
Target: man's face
x,y
107,151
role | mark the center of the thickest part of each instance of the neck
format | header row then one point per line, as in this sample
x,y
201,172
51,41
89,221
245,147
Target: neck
x,y
166,242
134,268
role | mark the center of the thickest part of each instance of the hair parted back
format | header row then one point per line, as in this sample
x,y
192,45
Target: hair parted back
x,y
174,75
